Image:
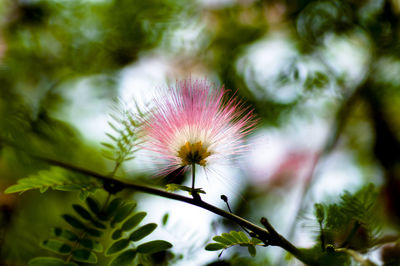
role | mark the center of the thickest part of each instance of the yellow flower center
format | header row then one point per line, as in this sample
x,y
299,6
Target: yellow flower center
x,y
192,153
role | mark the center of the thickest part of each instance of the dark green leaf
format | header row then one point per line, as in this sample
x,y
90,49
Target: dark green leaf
x,y
46,261
91,244
56,246
124,259
82,212
93,232
153,246
123,212
98,224
113,206
118,246
143,232
252,250
133,221
214,246
116,234
84,255
74,222
64,233
93,205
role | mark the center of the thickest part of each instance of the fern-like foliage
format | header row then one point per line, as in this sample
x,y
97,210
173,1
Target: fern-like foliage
x,y
58,179
81,242
234,238
123,140
352,222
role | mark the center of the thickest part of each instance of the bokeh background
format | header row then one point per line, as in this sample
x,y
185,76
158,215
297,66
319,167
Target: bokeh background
x,y
322,76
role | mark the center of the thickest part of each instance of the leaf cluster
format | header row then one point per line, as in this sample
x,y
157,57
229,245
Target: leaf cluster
x,y
234,238
58,179
353,221
90,224
124,138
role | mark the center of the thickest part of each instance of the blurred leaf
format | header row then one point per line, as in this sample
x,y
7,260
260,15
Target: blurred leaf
x,y
123,212
117,234
64,234
117,246
93,205
229,237
153,246
214,246
82,212
91,244
222,240
252,250
113,206
56,178
84,255
165,219
56,246
243,237
74,222
93,232
125,258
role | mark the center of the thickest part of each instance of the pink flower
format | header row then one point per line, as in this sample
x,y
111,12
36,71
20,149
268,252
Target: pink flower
x,y
193,124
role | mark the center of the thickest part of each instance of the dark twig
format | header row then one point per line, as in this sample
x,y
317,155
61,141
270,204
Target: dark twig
x,y
225,199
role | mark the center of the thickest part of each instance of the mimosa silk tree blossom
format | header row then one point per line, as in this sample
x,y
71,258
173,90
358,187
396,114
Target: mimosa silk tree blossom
x,y
194,123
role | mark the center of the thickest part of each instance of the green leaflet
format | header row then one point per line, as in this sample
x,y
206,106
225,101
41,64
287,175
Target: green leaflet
x,y
84,255
142,232
93,205
123,212
64,234
215,246
56,246
227,240
91,244
56,178
133,221
153,246
125,258
117,234
118,246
